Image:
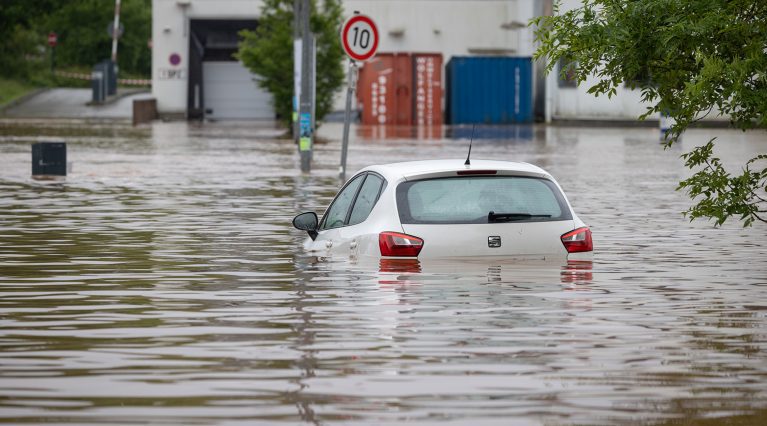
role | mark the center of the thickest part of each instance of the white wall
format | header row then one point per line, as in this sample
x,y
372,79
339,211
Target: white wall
x,y
170,34
449,27
574,103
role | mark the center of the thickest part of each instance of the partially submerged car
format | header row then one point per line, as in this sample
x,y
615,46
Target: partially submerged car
x,y
446,208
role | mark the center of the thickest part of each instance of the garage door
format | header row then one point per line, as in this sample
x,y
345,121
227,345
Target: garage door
x,y
231,94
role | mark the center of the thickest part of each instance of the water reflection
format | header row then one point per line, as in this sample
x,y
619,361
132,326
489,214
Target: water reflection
x,y
508,133
162,283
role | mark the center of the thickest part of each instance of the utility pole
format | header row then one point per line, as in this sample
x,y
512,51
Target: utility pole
x,y
115,31
306,107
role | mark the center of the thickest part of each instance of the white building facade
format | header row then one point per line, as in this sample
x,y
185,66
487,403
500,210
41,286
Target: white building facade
x,y
195,76
193,72
566,101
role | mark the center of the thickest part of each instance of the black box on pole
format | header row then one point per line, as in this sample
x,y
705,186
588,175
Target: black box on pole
x,y
111,69
99,83
49,159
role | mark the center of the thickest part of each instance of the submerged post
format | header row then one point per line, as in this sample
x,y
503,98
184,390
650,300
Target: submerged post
x,y
351,83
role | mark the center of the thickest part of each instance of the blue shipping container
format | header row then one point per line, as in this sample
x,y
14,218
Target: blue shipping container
x,y
489,90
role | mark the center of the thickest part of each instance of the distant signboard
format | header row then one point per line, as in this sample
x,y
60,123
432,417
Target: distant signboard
x,y
171,74
111,29
53,38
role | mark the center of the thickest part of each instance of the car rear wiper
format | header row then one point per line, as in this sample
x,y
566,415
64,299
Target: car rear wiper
x,y
509,217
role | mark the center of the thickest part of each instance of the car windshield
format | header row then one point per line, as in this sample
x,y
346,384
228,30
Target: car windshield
x,y
472,199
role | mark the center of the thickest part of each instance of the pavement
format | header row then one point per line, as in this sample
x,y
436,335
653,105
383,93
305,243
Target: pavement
x,y
73,103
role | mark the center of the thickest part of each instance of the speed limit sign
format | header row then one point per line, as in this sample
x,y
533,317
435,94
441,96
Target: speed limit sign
x,y
359,37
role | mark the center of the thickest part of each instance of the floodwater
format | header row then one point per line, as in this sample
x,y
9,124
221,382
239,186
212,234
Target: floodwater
x,y
162,283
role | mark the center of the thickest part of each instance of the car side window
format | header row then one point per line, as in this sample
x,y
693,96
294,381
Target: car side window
x,y
366,199
336,215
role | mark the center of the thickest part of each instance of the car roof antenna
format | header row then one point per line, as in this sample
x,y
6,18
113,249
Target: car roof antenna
x,y
468,157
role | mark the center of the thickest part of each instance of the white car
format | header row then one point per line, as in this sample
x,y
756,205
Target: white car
x,y
446,208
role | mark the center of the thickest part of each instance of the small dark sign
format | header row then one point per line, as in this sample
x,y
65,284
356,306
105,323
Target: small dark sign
x,y
111,29
49,159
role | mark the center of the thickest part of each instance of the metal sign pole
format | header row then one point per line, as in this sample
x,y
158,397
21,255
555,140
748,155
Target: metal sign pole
x,y
115,31
297,54
351,83
359,38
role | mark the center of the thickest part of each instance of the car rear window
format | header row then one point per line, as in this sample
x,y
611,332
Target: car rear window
x,y
471,199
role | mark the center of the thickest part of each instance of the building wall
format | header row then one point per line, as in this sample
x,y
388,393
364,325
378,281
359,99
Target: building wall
x,y
448,27
574,103
170,34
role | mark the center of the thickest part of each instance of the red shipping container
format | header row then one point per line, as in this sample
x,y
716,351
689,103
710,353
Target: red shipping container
x,y
384,89
427,89
401,89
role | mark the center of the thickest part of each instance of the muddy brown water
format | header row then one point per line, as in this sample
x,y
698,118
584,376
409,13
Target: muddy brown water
x,y
162,283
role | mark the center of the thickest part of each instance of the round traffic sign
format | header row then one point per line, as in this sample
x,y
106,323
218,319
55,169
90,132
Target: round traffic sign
x,y
359,37
111,29
52,39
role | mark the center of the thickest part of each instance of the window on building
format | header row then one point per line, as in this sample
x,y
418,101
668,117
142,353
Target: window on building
x,y
640,78
566,73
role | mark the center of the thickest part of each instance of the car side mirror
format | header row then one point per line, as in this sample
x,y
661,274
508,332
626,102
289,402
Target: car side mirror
x,y
307,222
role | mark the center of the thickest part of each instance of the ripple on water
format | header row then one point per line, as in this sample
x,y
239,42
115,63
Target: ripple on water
x,y
161,283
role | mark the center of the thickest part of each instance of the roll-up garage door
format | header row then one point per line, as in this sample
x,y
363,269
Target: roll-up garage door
x,y
230,93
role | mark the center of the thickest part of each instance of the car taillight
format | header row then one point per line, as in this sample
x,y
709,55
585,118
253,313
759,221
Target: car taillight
x,y
578,240
401,245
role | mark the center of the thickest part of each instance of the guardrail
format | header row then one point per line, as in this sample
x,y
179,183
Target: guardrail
x,y
123,81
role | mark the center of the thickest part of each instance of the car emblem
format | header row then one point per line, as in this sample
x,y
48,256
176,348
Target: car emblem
x,y
494,241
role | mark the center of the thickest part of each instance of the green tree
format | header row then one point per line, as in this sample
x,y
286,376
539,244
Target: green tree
x,y
688,58
268,52
83,37
22,45
82,29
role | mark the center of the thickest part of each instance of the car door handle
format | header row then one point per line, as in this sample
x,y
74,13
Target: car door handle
x,y
328,244
353,245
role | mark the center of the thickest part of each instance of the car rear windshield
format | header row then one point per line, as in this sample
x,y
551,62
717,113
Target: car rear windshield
x,y
471,199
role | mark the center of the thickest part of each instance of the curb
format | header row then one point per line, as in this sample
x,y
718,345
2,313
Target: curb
x,y
119,95
22,99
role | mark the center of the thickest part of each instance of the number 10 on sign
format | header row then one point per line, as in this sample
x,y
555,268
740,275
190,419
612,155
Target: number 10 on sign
x,y
360,37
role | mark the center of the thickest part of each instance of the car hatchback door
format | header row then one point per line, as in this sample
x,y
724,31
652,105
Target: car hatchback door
x,y
485,216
